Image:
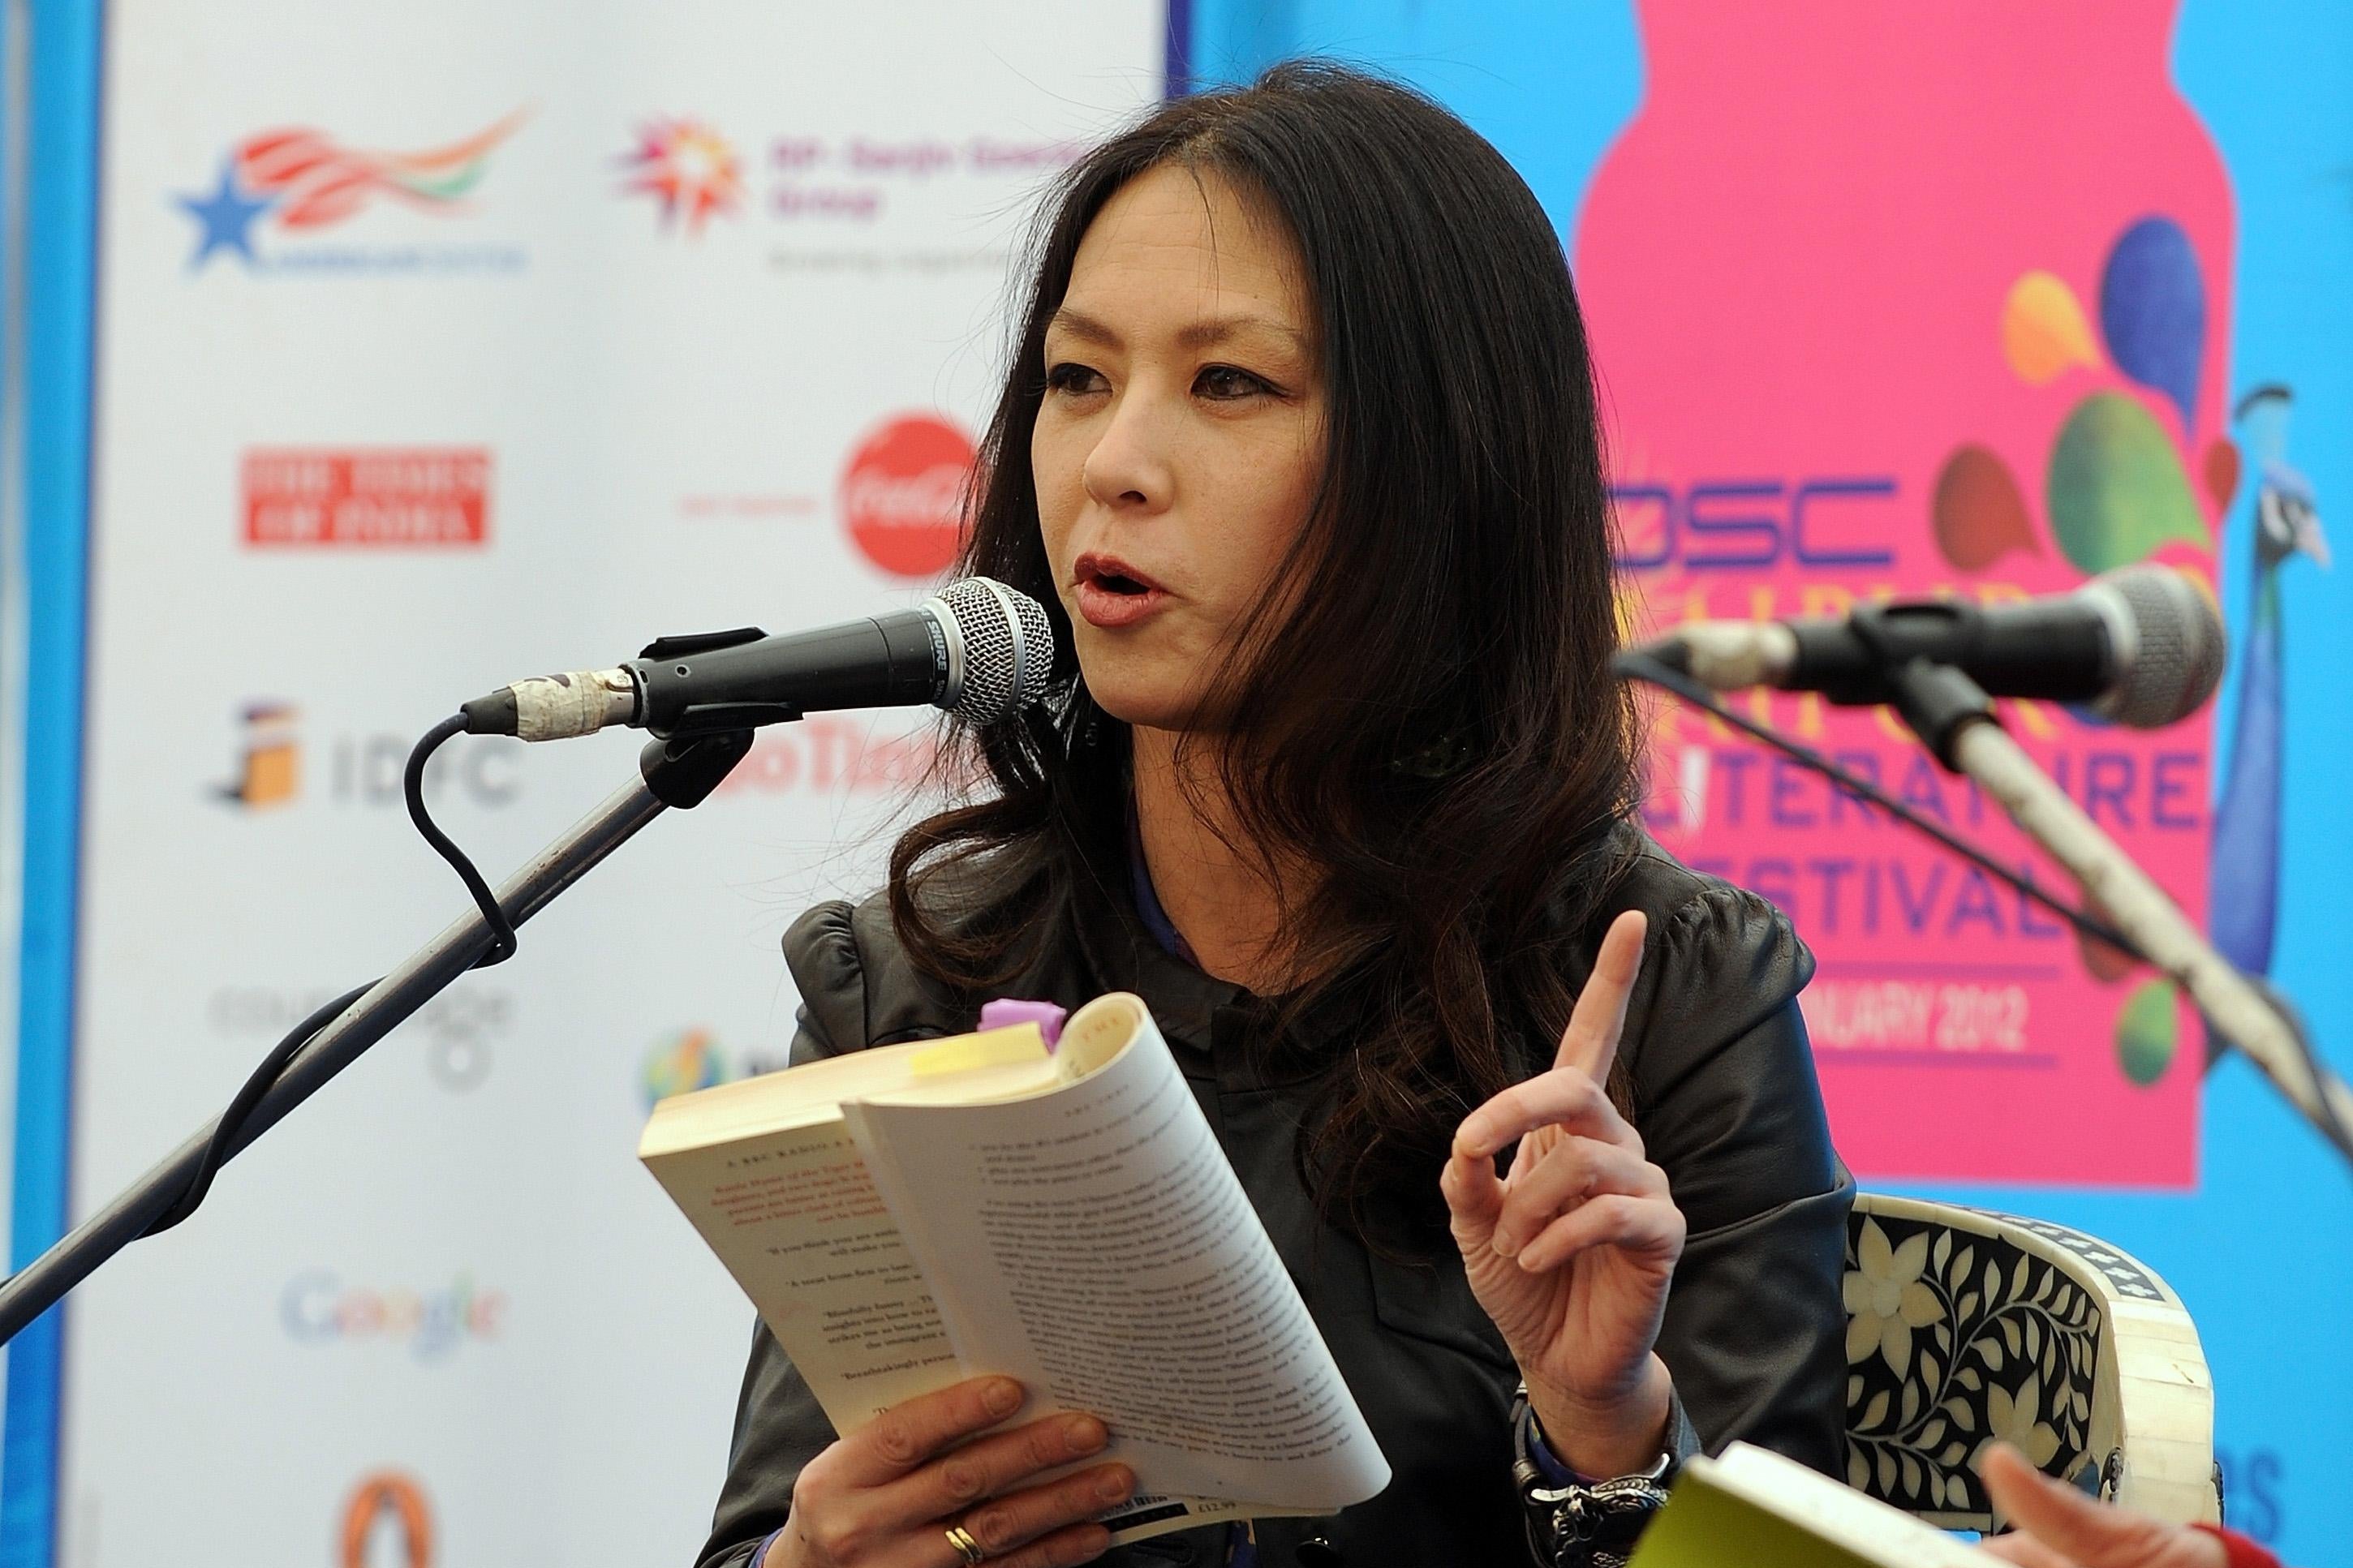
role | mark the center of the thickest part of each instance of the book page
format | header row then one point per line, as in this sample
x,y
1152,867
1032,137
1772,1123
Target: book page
x,y
795,1217
1093,1241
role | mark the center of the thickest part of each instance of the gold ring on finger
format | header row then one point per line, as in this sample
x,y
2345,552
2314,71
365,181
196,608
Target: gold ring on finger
x,y
966,1547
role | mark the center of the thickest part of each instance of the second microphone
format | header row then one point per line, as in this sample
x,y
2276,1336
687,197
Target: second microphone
x,y
2141,646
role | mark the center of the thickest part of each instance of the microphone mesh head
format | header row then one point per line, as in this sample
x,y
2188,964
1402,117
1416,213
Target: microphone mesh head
x,y
2177,659
1008,649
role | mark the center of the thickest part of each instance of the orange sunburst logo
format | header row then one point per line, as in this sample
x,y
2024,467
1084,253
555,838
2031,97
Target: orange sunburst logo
x,y
689,167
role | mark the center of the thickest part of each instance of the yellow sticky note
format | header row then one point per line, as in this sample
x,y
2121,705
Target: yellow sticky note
x,y
1010,1047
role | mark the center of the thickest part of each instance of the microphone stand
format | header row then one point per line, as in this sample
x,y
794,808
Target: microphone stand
x,y
1955,718
680,772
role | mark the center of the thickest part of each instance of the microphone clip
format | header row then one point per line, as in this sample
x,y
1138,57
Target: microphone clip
x,y
719,718
1891,636
1938,702
687,644
712,718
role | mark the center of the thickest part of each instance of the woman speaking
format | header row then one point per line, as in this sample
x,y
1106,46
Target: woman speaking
x,y
1299,446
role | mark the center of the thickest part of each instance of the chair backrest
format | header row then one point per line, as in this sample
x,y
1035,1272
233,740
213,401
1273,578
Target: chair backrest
x,y
1964,1325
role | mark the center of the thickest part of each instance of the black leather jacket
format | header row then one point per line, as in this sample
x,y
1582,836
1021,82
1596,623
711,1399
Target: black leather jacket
x,y
1725,1100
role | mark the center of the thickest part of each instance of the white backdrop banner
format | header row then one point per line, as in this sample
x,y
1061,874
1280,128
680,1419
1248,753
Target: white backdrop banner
x,y
442,345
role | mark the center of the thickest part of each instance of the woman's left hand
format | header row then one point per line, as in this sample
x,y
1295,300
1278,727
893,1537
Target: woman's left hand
x,y
1571,1253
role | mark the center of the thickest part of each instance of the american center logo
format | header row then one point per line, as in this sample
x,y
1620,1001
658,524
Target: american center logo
x,y
295,184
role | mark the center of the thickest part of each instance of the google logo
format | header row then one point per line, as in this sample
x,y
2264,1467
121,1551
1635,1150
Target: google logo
x,y
318,1309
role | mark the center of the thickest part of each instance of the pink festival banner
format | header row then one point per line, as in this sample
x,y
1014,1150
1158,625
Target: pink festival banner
x,y
1910,301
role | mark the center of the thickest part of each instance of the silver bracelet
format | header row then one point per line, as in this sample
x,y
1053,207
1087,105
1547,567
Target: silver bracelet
x,y
1582,1525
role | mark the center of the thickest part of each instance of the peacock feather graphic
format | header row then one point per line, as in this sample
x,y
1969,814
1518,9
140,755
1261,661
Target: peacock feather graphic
x,y
2246,871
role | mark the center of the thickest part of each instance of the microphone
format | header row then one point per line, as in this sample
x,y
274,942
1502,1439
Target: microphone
x,y
978,649
2141,646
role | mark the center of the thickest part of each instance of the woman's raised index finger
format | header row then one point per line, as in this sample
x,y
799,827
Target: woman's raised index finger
x,y
1591,1042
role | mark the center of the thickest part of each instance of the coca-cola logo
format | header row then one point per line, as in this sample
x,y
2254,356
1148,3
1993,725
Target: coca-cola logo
x,y
903,493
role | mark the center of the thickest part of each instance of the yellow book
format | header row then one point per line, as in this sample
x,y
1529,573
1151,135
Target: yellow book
x,y
1751,1508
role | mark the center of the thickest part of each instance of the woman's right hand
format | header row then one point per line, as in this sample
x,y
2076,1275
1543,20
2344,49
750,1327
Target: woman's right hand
x,y
884,1496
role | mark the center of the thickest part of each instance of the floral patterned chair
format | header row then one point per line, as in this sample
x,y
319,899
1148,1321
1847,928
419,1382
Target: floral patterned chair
x,y
1964,1326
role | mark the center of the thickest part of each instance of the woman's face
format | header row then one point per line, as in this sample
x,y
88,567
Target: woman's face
x,y
1181,438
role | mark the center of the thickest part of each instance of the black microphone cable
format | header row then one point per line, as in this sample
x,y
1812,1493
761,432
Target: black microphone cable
x,y
412,783
1631,665
222,1144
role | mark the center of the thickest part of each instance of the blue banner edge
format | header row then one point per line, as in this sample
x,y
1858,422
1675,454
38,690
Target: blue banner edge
x,y
58,326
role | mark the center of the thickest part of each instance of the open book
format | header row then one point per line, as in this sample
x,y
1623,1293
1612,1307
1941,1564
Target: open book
x,y
909,1216
1753,1508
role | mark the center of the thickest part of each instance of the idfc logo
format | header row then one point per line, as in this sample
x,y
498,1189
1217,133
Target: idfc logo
x,y
270,773
362,769
387,1523
902,494
318,1309
392,498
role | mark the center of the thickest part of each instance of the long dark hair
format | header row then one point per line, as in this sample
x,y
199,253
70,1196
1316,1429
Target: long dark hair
x,y
1434,728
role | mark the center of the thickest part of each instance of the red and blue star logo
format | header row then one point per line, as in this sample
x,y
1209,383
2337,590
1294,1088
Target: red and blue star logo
x,y
302,179
225,218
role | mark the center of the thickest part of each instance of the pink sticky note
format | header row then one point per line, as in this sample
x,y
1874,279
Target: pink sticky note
x,y
1006,1012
